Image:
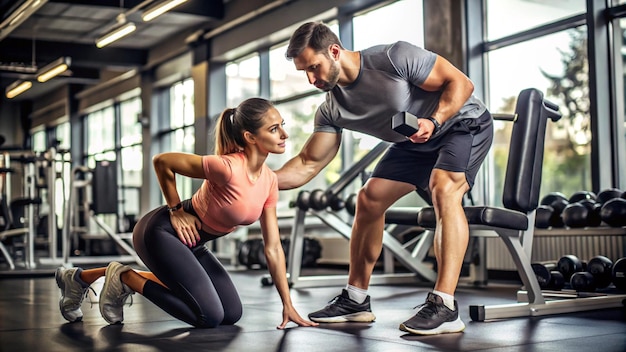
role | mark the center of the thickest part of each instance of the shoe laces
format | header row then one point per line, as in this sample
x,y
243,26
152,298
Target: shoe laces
x,y
427,309
122,297
335,300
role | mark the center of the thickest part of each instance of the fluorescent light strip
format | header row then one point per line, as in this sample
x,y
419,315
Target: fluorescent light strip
x,y
115,34
18,88
159,9
54,69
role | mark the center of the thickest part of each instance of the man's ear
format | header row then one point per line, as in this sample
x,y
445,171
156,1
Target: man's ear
x,y
334,50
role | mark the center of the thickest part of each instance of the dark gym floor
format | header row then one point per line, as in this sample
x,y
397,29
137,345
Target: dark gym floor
x,y
30,321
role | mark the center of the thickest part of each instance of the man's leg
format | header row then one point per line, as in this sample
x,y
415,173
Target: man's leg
x,y
440,313
452,231
353,304
366,241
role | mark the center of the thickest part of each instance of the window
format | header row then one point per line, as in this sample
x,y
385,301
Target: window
x,y
557,65
285,80
620,123
242,80
176,130
511,16
131,158
401,20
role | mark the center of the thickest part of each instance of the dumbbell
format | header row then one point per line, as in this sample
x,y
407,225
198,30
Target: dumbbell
x,y
405,123
601,268
619,274
598,275
351,204
557,201
303,200
570,264
547,276
318,200
613,212
337,203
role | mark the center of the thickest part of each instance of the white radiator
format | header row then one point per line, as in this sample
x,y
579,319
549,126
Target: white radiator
x,y
550,245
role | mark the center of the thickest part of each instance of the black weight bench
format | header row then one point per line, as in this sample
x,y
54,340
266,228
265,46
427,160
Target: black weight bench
x,y
515,222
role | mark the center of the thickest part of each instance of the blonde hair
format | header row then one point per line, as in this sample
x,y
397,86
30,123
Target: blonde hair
x,y
233,122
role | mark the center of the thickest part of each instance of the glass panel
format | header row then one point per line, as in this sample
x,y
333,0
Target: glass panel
x,y
181,104
242,80
620,125
505,17
130,126
101,130
63,133
285,79
39,141
132,161
557,65
398,21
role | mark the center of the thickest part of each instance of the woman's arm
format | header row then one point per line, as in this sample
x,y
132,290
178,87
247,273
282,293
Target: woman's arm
x,y
166,166
277,267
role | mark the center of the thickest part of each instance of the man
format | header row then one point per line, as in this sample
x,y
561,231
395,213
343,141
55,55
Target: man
x,y
365,89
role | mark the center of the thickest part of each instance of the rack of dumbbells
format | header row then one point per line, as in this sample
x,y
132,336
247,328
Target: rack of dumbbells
x,y
584,213
570,276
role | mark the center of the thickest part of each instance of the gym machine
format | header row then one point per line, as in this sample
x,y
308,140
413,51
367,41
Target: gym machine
x,y
23,214
82,221
323,205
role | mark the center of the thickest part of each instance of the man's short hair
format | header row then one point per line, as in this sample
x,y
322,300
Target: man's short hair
x,y
315,35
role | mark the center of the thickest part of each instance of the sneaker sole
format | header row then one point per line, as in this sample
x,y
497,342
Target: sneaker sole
x,y
361,317
445,328
61,285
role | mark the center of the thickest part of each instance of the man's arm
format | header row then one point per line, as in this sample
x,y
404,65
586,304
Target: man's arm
x,y
454,84
319,150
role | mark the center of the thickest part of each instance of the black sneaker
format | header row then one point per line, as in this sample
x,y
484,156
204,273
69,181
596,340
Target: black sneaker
x,y
342,309
434,317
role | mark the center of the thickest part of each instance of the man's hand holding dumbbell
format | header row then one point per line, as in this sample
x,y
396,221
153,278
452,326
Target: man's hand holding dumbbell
x,y
417,130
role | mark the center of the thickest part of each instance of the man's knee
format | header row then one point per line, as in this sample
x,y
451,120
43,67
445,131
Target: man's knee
x,y
368,204
446,187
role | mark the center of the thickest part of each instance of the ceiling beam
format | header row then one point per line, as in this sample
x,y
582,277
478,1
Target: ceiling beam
x,y
86,55
205,8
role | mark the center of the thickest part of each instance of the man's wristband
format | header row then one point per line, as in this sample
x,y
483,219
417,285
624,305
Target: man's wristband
x,y
435,122
174,208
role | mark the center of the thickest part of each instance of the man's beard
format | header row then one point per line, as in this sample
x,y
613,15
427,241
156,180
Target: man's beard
x,y
333,78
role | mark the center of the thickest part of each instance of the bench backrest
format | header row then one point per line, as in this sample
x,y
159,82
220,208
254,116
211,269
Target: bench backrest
x,y
524,166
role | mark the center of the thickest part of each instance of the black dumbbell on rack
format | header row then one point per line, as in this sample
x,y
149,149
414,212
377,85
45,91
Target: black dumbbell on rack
x,y
548,276
570,264
598,275
618,274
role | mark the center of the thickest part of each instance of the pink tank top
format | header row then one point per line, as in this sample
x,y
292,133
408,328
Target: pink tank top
x,y
230,198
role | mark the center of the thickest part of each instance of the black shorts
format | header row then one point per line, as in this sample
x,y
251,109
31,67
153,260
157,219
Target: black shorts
x,y
462,149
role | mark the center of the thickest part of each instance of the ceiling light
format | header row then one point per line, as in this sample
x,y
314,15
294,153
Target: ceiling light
x,y
18,87
54,69
121,30
160,8
11,21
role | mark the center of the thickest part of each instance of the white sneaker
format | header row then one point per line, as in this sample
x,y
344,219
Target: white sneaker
x,y
72,293
114,293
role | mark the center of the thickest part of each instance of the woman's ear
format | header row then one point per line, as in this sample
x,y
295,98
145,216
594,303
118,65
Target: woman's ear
x,y
249,137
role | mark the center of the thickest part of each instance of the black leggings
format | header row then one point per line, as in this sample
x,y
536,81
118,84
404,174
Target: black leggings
x,y
200,291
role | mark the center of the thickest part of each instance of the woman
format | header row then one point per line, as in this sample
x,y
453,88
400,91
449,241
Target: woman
x,y
185,279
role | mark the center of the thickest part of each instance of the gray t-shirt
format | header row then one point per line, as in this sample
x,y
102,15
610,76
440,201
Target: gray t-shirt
x,y
387,84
